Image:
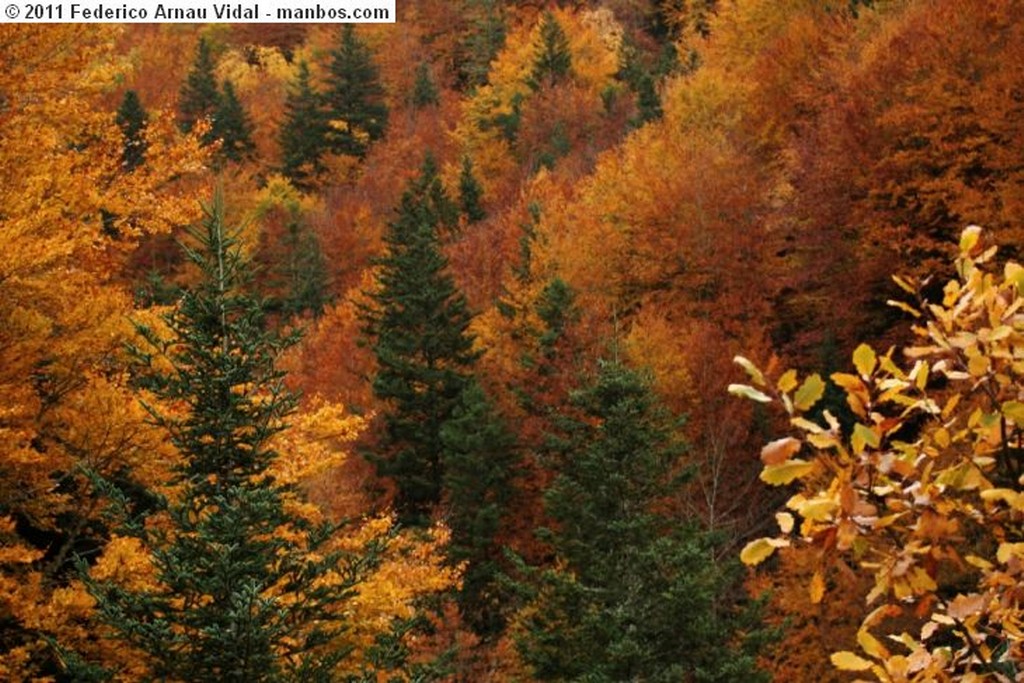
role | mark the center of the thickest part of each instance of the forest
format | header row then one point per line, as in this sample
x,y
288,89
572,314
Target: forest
x,y
592,341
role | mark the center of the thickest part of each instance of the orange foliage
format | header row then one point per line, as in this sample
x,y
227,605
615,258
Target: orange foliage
x,y
64,315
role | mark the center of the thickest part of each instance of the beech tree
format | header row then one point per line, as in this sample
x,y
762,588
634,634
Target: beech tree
x,y
922,495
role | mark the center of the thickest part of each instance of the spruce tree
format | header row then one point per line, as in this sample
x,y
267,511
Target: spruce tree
x,y
648,103
480,462
246,591
634,595
304,132
132,119
483,41
304,271
355,97
552,59
419,329
199,95
424,92
231,125
470,193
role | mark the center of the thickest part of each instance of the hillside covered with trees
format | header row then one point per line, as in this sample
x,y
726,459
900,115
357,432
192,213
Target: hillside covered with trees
x,y
623,340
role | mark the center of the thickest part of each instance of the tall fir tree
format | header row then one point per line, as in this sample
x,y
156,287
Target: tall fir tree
x,y
132,120
419,328
232,127
303,273
304,132
424,92
552,57
634,595
355,97
199,95
480,464
245,589
483,41
470,193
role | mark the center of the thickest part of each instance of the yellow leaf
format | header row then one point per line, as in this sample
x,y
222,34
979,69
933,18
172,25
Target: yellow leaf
x,y
903,307
751,369
1012,498
757,551
1008,550
817,589
864,360
969,238
779,451
847,661
978,365
871,645
1015,411
863,435
785,521
747,391
787,382
904,284
784,473
819,509
809,392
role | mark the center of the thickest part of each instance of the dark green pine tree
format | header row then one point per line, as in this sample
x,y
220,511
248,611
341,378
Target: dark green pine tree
x,y
132,119
470,193
231,125
424,92
304,132
483,41
552,58
648,104
304,271
355,97
419,329
239,598
480,463
199,96
634,594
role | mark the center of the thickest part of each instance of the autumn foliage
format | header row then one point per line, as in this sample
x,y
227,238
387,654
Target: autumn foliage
x,y
662,184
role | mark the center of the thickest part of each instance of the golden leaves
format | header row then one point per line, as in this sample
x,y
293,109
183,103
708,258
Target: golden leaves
x,y
896,492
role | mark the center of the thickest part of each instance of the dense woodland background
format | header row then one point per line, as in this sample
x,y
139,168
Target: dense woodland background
x,y
404,352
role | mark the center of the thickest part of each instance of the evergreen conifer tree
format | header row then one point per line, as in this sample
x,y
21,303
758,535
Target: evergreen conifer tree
x,y
480,462
131,119
246,591
199,95
424,92
304,271
231,125
304,132
552,60
634,595
355,97
470,193
419,328
483,41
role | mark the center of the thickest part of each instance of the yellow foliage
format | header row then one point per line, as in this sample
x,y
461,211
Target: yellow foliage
x,y
899,508
314,442
63,316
